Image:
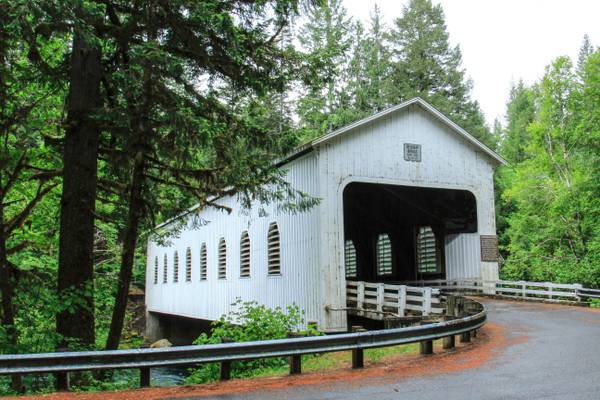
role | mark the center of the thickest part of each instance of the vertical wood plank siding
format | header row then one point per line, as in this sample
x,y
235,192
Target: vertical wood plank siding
x,y
208,297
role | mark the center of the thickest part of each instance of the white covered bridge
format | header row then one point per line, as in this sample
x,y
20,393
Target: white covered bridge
x,y
406,195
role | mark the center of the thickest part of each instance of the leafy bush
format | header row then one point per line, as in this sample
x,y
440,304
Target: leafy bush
x,y
249,321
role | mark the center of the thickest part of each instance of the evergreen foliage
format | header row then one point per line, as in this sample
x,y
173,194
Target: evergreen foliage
x,y
550,193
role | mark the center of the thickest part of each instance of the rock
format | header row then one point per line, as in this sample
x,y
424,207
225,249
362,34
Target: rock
x,y
160,344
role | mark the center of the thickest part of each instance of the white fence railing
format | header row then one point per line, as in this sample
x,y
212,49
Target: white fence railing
x,y
516,289
376,300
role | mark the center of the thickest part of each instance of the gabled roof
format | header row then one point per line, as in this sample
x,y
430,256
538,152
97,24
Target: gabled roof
x,y
414,101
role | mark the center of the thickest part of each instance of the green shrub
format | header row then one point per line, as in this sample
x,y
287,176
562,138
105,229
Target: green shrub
x,y
249,321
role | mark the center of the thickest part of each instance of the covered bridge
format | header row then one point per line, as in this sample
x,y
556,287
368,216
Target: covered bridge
x,y
406,195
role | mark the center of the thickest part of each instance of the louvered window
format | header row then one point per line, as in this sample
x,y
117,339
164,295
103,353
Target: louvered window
x,y
165,269
222,270
155,270
203,262
383,253
350,255
274,250
175,267
188,265
427,254
245,255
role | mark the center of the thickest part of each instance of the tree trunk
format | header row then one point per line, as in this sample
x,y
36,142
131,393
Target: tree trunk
x,y
140,146
127,252
7,287
75,263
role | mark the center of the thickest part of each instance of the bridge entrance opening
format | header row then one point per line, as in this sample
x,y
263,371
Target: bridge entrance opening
x,y
398,233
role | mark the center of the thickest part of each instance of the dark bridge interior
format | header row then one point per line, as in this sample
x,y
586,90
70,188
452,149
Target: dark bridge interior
x,y
397,233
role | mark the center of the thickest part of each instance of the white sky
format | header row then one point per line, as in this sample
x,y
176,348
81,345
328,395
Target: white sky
x,y
505,40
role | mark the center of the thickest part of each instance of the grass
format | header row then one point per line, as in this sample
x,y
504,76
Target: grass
x,y
337,360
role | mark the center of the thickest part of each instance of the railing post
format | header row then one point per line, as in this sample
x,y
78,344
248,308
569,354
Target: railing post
x,y
144,377
523,287
380,296
225,373
460,306
360,295
358,357
451,306
402,301
296,359
426,301
550,289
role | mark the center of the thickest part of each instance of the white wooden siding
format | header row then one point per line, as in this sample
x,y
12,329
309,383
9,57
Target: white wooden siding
x,y
463,253
209,299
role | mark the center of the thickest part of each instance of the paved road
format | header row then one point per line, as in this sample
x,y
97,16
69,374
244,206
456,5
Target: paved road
x,y
551,352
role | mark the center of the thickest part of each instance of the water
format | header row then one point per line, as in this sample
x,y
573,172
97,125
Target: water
x,y
168,376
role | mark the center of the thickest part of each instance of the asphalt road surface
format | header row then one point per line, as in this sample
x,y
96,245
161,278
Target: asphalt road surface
x,y
550,352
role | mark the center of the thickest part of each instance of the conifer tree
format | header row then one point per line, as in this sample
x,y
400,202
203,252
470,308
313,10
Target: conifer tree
x,y
369,68
424,64
326,39
520,113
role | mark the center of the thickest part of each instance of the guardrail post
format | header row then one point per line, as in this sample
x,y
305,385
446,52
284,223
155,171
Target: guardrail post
x,y
449,342
296,359
62,382
144,377
426,346
225,373
358,357
426,301
465,337
523,288
402,301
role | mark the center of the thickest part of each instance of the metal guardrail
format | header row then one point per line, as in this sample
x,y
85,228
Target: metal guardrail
x,y
144,359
